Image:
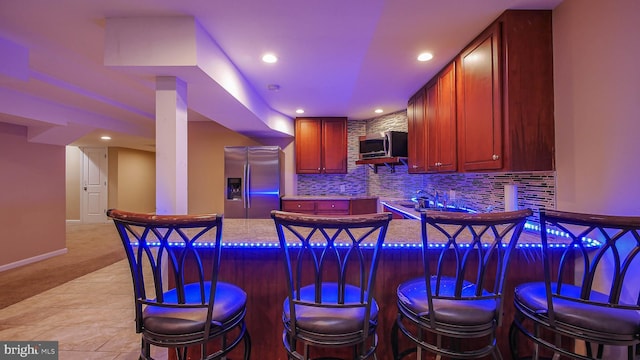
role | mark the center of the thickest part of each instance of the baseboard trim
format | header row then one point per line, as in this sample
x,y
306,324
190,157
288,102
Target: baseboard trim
x,y
32,260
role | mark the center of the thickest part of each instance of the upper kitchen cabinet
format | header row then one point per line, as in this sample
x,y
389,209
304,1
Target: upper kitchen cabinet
x,y
431,114
321,145
505,95
440,116
416,136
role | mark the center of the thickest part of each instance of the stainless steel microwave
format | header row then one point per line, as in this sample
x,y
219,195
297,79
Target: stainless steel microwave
x,y
384,144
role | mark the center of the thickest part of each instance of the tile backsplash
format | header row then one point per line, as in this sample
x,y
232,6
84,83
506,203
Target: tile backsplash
x,y
475,190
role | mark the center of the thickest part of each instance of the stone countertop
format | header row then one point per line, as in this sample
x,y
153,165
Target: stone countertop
x,y
327,197
403,206
407,207
262,233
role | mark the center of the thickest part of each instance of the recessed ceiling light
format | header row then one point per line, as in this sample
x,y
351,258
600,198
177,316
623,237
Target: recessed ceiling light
x,y
105,137
269,58
299,111
425,56
378,111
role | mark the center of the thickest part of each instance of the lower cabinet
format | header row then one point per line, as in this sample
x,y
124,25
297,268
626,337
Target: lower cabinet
x,y
299,206
332,207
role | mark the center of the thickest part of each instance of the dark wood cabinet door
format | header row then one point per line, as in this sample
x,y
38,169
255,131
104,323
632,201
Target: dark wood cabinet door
x,y
334,145
417,135
394,214
431,126
527,45
446,114
308,146
479,103
440,119
363,206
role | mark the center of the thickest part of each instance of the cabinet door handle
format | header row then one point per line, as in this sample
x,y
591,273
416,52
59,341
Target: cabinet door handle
x,y
299,205
333,205
495,157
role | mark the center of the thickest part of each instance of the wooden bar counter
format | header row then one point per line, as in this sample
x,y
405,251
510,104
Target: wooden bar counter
x,y
251,260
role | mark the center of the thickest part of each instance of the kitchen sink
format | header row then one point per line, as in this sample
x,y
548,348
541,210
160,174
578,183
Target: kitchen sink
x,y
450,210
413,206
408,206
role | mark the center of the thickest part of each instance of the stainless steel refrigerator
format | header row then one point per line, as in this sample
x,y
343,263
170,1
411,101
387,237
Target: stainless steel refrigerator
x,y
254,181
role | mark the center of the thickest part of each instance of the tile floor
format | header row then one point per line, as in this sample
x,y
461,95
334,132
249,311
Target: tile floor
x,y
91,317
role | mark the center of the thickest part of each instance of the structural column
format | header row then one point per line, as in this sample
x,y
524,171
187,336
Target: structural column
x,y
171,146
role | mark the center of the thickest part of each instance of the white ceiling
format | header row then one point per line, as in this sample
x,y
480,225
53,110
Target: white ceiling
x,y
336,58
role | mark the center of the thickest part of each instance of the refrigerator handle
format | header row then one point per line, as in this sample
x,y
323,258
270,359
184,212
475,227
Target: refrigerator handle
x,y
244,186
247,186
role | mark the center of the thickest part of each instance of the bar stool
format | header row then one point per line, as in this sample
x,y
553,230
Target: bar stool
x,y
179,301
330,268
454,309
595,302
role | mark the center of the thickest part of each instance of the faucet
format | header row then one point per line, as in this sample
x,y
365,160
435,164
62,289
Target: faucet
x,y
424,198
421,196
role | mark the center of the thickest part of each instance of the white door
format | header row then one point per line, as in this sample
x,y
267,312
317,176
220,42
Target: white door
x,y
94,185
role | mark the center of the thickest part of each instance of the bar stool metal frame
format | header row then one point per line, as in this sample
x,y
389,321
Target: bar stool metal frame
x,y
555,313
454,309
179,301
330,301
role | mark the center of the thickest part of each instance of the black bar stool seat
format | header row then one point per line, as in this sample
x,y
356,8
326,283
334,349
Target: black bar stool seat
x,y
591,314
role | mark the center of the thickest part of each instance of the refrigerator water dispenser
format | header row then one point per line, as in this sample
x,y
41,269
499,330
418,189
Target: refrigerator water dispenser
x,y
234,186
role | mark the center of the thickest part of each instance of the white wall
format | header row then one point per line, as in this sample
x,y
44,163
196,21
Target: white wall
x,y
597,112
73,174
597,105
32,198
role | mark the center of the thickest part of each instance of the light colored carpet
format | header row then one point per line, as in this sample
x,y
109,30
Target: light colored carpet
x,y
89,247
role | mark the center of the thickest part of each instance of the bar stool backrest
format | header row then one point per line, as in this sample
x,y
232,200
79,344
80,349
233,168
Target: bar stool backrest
x,y
473,250
605,250
330,268
163,254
